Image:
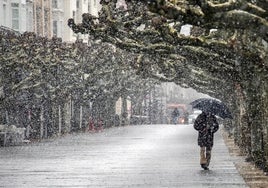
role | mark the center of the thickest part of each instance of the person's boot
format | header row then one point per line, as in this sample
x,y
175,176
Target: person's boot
x,y
204,166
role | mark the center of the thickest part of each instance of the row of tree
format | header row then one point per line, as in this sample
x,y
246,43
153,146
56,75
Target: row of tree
x,y
224,56
51,87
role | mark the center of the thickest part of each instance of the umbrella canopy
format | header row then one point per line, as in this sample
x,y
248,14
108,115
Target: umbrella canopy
x,y
213,106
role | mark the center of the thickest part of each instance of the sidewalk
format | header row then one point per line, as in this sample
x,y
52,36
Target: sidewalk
x,y
254,177
144,156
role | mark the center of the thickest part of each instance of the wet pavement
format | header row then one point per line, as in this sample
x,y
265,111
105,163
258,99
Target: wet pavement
x,y
147,156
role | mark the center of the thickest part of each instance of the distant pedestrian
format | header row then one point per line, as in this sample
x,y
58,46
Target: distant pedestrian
x,y
186,117
100,125
206,124
116,120
175,115
91,126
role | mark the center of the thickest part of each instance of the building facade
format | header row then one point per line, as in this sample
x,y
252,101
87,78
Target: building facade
x,y
74,9
57,18
13,14
42,17
46,18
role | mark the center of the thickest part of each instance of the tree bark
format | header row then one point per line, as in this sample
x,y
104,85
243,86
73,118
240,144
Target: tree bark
x,y
42,121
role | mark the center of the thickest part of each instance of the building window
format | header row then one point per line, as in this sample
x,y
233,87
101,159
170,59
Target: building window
x,y
54,3
77,3
15,5
15,16
55,28
29,20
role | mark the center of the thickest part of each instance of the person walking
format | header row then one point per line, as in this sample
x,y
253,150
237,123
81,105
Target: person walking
x,y
206,124
175,115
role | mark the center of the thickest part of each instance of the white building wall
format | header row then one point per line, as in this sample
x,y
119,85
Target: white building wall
x,y
13,14
74,9
5,13
29,16
22,16
69,12
58,18
81,8
94,7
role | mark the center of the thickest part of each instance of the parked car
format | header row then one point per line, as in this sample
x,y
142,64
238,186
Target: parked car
x,y
194,115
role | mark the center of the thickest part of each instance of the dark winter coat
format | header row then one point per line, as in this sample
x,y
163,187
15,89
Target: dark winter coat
x,y
206,125
175,113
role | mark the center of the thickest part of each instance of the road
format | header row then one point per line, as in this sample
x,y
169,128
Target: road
x,y
147,156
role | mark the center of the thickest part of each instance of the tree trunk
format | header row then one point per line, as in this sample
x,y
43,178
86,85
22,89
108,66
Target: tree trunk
x,y
81,117
265,119
29,121
42,121
60,120
7,117
242,129
255,107
124,110
67,116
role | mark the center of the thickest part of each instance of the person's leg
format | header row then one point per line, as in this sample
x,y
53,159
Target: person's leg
x,y
175,120
203,160
208,154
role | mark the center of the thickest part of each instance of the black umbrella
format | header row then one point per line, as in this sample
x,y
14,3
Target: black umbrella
x,y
213,106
